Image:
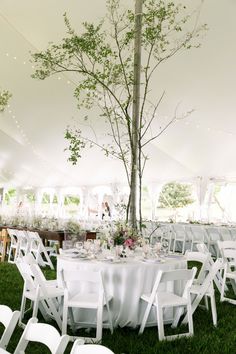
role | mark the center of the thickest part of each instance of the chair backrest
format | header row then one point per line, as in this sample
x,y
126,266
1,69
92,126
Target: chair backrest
x,y
31,261
84,280
42,333
186,275
79,348
199,233
226,244
13,236
202,258
34,236
179,230
213,233
201,247
233,233
82,276
225,234
27,275
229,256
9,320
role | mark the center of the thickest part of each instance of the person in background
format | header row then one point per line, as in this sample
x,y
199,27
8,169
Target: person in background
x,y
106,211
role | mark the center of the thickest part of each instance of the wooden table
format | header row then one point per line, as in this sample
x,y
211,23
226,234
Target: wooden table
x,y
4,241
47,235
52,235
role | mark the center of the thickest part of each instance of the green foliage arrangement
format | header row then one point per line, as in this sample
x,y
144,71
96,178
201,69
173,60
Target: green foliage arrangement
x,y
11,193
70,199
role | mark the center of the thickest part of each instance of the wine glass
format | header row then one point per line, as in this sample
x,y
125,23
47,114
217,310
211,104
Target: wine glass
x,y
146,250
165,246
118,250
79,245
158,246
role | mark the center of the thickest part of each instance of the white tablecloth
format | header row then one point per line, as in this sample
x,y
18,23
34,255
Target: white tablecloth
x,y
126,282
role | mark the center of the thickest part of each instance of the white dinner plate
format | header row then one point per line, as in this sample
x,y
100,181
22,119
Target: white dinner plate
x,y
153,260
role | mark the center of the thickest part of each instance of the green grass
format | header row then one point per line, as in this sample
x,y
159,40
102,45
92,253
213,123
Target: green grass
x,y
206,339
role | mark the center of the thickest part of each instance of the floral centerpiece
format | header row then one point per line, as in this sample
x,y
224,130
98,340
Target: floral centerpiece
x,y
123,234
73,231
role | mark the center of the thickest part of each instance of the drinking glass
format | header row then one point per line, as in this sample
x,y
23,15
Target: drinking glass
x,y
118,250
165,246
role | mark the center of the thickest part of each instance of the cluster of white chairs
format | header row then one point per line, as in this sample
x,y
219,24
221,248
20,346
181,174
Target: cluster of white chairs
x,y
41,333
197,287
57,301
182,237
24,242
228,253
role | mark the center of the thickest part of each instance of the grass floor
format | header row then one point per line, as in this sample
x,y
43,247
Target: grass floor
x,y
206,339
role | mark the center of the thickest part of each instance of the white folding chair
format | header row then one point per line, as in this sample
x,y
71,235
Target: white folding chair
x,y
179,237
201,247
229,256
9,320
213,237
42,333
223,245
90,294
206,289
225,234
233,233
18,246
43,297
38,249
198,286
30,260
80,348
166,299
199,236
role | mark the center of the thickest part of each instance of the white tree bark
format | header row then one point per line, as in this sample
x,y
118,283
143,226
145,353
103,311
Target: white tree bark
x,y
136,112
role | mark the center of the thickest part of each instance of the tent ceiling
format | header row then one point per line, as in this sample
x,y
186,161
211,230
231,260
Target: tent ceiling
x,y
32,128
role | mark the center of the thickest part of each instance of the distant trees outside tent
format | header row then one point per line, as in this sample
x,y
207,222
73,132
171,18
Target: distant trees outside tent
x,y
177,202
71,205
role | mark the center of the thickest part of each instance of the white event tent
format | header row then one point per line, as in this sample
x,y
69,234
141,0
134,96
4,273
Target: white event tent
x,y
200,148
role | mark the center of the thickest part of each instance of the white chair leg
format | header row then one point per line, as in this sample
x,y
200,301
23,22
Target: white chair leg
x,y
178,314
22,308
109,318
35,308
213,310
55,313
49,262
64,320
174,245
223,288
99,323
206,302
190,319
70,311
145,317
161,333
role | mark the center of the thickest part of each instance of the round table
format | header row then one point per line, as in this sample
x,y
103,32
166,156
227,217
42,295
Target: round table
x,y
126,281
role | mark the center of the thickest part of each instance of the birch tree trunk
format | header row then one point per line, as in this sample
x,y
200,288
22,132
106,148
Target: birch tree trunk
x,y
135,114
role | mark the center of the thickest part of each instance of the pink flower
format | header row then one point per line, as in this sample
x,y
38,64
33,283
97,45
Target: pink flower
x,y
129,242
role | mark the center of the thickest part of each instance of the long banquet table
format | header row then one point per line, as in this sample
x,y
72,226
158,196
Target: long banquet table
x,y
126,282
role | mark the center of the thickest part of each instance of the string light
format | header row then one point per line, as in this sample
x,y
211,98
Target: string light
x,y
209,129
